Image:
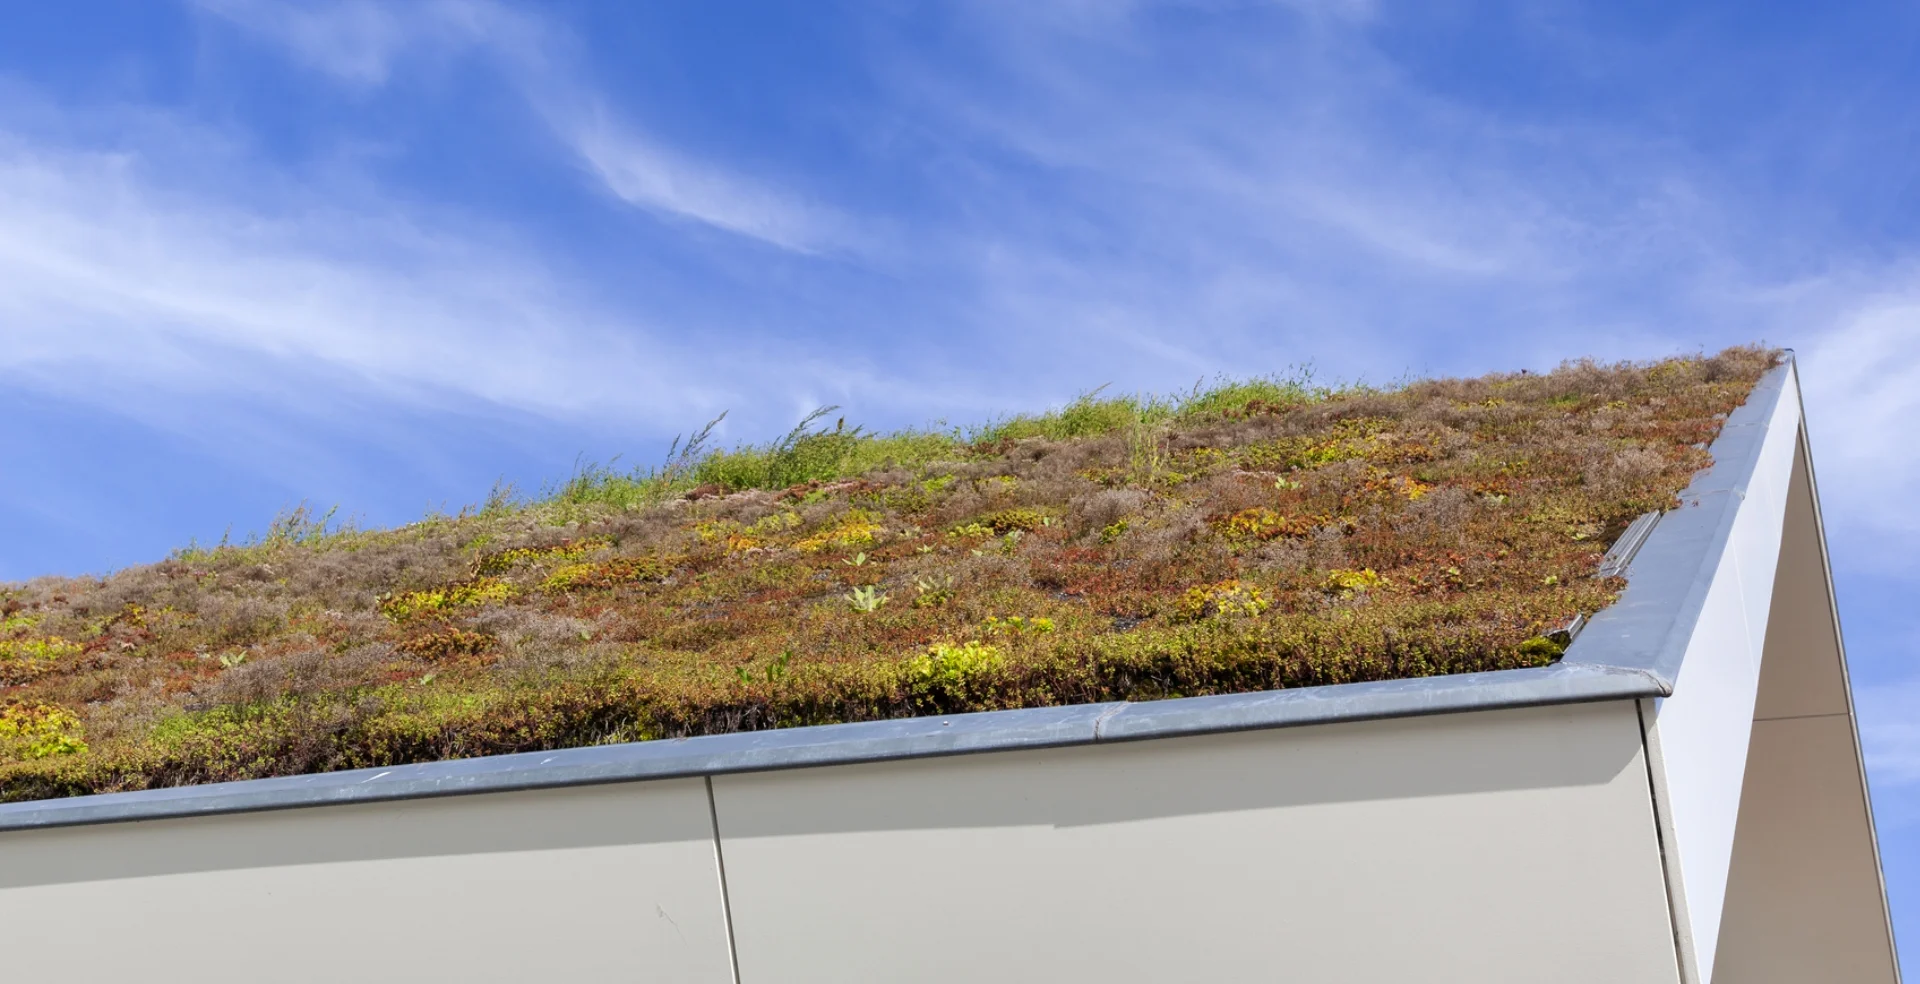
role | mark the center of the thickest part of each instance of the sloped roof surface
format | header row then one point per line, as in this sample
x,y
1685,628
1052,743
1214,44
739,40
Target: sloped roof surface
x,y
1257,536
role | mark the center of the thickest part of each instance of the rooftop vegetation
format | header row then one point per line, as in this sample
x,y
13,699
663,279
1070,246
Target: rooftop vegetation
x,y
1254,535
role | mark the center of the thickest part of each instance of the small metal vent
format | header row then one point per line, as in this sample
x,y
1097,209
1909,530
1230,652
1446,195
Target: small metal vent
x,y
1620,556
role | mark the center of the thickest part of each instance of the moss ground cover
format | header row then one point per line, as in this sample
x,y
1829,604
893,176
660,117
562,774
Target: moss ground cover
x,y
1254,535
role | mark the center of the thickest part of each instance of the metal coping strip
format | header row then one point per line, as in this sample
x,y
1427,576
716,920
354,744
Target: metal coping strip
x,y
1627,651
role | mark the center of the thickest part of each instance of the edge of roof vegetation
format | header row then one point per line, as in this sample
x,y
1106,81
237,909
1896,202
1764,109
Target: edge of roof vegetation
x,y
1630,650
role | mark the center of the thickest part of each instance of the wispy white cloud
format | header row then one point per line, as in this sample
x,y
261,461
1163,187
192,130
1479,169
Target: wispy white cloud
x,y
647,175
1863,391
1282,141
363,43
1093,203
1292,195
156,266
1890,732
107,271
1296,197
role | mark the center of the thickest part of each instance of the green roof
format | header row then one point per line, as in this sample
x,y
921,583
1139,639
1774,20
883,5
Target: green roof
x,y
1258,535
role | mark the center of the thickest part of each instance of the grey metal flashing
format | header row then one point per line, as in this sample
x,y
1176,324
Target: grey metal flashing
x,y
751,751
1628,651
1649,627
1560,683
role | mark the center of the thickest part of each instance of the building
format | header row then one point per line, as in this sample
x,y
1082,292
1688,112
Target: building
x,y
1678,797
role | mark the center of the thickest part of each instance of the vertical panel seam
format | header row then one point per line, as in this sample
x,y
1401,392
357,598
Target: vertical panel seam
x,y
1668,875
720,865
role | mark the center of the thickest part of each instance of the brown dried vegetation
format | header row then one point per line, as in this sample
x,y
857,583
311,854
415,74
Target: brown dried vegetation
x,y
1254,536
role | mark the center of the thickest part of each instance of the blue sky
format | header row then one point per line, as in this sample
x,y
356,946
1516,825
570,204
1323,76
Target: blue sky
x,y
381,255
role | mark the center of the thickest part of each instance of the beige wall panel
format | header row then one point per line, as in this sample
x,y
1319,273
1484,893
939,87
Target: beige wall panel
x,y
607,883
1803,898
1493,846
1803,672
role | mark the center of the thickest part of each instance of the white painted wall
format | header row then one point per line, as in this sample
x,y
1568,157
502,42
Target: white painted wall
x,y
607,883
1494,846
